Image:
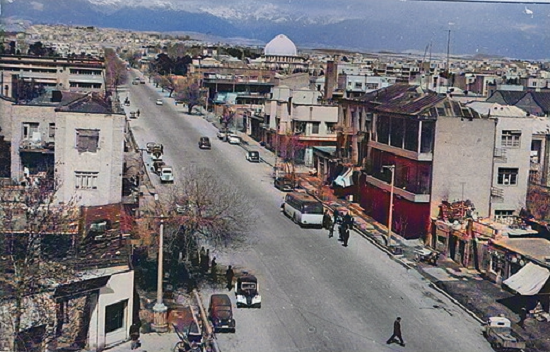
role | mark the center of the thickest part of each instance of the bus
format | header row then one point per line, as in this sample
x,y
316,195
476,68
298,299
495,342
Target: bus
x,y
303,209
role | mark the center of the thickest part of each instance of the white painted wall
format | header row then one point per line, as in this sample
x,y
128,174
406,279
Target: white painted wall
x,y
120,287
463,162
107,161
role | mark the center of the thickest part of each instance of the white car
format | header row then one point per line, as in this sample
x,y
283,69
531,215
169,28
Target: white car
x,y
160,102
233,139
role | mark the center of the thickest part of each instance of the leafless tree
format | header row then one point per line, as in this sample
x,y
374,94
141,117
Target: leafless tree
x,y
115,70
205,209
36,237
189,92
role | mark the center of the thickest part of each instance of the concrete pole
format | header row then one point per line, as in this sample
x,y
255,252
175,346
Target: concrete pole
x,y
390,211
159,309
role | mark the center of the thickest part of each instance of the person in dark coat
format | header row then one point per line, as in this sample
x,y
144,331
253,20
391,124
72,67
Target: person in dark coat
x,y
202,254
213,268
396,332
137,112
348,220
336,215
342,228
229,274
326,219
345,236
522,317
330,227
134,336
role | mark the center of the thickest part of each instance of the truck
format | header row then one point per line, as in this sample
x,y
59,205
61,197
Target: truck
x,y
498,331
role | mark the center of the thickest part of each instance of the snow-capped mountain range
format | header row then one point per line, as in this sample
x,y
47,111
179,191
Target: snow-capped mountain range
x,y
366,25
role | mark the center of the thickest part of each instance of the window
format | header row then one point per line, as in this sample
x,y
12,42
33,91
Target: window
x,y
315,127
503,214
86,180
114,316
29,128
51,130
510,139
330,127
507,176
87,140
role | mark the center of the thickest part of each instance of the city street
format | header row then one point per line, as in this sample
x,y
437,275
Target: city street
x,y
316,294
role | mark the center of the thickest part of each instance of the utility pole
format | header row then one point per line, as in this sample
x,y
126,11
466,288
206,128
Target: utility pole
x,y
390,211
159,309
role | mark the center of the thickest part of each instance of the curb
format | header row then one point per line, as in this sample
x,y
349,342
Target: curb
x,y
392,256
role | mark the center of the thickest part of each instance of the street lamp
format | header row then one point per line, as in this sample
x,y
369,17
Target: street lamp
x,y
159,309
390,212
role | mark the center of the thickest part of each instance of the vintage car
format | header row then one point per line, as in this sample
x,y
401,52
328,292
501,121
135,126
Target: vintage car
x,y
153,146
284,184
499,333
166,174
156,166
246,291
220,313
204,143
233,139
253,156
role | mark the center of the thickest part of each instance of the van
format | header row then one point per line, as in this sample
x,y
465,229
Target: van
x,y
220,313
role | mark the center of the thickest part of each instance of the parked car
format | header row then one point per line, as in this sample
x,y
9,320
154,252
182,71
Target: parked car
x,y
159,102
233,139
222,135
220,313
284,184
499,333
204,143
253,156
152,146
156,166
166,174
247,292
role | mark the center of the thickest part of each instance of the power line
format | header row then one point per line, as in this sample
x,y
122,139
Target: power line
x,y
491,2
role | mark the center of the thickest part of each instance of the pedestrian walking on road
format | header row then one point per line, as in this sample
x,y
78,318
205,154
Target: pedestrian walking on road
x,y
345,236
229,274
330,228
348,220
326,219
341,230
336,215
396,333
137,112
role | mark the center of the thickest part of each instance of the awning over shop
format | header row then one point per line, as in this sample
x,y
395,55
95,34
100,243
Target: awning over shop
x,y
344,179
529,280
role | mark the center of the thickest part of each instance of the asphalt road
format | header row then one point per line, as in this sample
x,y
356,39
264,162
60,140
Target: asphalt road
x,y
316,294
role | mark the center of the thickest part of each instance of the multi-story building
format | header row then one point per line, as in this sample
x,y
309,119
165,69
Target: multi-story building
x,y
299,117
69,74
75,139
433,148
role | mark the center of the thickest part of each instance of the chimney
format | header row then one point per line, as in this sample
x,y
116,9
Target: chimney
x,y
331,76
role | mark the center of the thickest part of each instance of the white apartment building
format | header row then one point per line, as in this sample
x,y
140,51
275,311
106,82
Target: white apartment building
x,y
301,113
